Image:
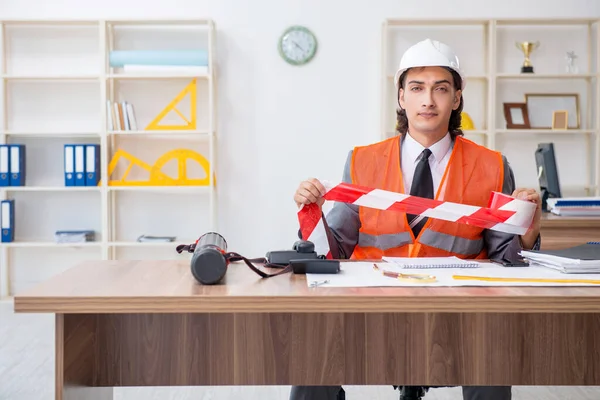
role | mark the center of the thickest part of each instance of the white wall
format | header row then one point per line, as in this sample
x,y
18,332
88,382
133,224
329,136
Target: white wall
x,y
267,109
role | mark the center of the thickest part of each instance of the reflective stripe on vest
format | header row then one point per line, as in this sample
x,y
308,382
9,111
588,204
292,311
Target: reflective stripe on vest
x,y
385,241
452,244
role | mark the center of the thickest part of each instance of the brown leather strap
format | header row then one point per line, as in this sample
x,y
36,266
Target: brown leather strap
x,y
233,257
249,262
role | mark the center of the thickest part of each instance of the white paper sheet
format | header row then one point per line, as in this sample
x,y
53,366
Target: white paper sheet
x,y
362,274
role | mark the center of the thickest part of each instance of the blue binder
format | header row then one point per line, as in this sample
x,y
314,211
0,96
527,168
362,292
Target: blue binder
x,y
79,165
7,220
92,164
4,165
17,164
69,164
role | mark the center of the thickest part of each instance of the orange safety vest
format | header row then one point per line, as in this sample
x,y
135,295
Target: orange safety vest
x,y
473,172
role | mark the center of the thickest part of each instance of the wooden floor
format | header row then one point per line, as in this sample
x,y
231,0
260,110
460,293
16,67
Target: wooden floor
x,y
27,372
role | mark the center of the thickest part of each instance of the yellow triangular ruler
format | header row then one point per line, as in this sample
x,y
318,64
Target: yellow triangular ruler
x,y
189,124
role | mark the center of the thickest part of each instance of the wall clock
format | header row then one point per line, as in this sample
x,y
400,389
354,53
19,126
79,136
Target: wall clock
x,y
297,45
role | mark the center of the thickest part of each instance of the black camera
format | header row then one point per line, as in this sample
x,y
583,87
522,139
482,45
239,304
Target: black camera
x,y
302,249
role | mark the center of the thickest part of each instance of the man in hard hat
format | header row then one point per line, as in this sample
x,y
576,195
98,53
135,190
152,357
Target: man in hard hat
x,y
428,158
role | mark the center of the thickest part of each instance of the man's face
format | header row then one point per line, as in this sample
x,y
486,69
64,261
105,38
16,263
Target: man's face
x,y
429,97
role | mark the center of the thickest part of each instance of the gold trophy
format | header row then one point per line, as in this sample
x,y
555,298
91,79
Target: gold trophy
x,y
527,48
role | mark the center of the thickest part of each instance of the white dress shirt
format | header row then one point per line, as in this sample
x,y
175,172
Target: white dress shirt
x,y
440,154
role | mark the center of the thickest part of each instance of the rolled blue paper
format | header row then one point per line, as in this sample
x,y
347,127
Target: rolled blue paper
x,y
119,58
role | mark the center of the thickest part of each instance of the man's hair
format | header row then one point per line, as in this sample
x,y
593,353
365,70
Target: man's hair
x,y
455,118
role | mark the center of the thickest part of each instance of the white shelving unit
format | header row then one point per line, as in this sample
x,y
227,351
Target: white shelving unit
x,y
487,52
56,79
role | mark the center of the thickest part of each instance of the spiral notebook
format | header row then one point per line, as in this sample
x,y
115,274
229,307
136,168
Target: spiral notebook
x,y
431,262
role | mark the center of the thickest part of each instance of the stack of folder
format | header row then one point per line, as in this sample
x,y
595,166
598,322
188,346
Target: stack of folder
x,y
575,206
82,164
12,165
74,236
584,258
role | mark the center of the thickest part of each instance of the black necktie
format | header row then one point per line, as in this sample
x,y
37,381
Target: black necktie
x,y
422,186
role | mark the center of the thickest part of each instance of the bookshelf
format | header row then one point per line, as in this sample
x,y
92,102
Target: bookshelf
x,y
59,80
488,54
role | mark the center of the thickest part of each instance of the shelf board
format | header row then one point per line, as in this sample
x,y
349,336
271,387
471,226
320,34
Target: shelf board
x,y
545,21
199,133
173,244
468,77
544,76
179,21
159,75
57,22
545,131
51,244
436,22
50,188
475,132
177,189
52,77
51,134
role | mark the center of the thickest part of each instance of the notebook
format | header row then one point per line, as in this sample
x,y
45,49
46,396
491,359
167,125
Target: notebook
x,y
431,262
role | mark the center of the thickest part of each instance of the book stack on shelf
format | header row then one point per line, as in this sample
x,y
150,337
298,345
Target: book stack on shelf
x,y
118,119
121,116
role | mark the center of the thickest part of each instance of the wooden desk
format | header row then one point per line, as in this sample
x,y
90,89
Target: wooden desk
x,y
562,232
148,323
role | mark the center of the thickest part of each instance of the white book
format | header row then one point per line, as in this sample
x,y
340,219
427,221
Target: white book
x,y
131,117
109,114
125,118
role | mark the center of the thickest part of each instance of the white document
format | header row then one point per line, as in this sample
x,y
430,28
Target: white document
x,y
79,159
90,158
362,274
15,160
4,159
5,220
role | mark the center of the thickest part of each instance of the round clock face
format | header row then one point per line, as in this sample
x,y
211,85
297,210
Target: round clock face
x,y
297,45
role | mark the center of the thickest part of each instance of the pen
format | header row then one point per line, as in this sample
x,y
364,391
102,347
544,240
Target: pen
x,y
541,280
398,275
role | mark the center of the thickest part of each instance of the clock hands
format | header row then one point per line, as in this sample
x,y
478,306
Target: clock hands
x,y
298,46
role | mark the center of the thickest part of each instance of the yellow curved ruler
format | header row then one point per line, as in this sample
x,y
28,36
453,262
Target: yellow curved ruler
x,y
156,176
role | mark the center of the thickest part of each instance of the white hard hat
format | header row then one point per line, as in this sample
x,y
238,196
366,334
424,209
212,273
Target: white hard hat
x,y
429,53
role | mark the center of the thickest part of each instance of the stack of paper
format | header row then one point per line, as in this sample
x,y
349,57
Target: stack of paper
x,y
579,259
575,206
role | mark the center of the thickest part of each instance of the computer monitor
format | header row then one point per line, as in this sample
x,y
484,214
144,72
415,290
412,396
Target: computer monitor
x,y
547,173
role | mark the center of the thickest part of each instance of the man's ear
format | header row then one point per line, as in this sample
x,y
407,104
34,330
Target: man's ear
x,y
457,99
401,98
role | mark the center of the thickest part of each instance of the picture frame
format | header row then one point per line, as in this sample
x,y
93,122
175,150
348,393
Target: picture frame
x,y
516,115
560,119
541,107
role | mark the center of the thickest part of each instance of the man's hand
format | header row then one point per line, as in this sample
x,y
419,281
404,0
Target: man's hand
x,y
310,191
529,238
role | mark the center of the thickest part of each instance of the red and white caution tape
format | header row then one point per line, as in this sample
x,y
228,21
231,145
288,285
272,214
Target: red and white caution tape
x,y
504,213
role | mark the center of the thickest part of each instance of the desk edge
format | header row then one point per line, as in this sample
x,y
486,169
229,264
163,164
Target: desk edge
x,y
303,304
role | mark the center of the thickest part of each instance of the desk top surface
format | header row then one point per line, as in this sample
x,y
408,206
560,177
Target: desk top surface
x,y
168,286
